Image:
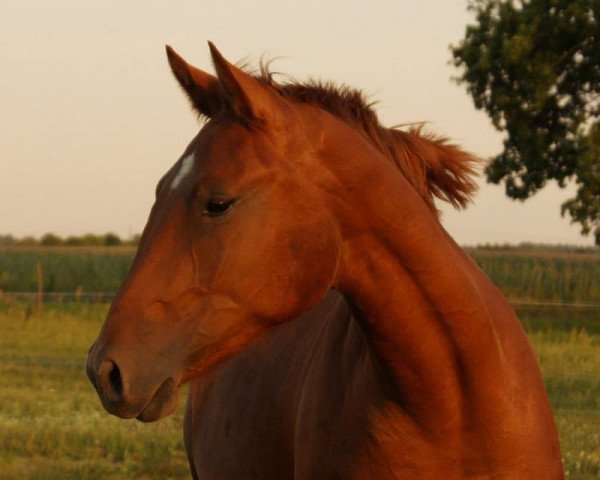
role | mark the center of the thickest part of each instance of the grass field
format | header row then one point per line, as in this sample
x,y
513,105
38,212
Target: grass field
x,y
51,423
53,427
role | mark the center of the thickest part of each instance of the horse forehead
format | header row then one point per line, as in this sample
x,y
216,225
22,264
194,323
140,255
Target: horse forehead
x,y
205,150
235,148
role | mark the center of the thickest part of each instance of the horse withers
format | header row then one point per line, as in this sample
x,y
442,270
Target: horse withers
x,y
294,270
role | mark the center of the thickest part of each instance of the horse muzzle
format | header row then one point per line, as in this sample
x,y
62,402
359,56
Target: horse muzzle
x,y
124,394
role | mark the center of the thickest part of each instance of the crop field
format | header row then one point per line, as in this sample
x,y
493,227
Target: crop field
x,y
52,425
548,275
543,275
64,269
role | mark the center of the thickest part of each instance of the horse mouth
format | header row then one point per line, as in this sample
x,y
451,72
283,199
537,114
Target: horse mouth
x,y
162,403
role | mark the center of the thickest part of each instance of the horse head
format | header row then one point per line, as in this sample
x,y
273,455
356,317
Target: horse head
x,y
237,240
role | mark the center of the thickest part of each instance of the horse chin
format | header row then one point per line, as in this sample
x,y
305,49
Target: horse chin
x,y
163,402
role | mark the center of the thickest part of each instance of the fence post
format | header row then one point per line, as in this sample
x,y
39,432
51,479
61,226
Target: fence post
x,y
40,295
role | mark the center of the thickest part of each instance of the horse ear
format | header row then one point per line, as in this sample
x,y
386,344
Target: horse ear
x,y
203,89
249,99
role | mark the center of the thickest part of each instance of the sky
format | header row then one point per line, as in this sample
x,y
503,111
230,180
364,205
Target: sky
x,y
91,117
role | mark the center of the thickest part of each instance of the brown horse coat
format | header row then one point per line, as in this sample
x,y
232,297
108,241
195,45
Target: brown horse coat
x,y
417,369
299,399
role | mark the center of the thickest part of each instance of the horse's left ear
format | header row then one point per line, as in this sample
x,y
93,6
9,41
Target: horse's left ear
x,y
248,97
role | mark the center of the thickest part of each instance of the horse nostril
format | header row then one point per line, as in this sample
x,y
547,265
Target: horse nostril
x,y
114,379
111,380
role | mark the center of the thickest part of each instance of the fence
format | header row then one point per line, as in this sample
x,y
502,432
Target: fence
x,y
80,296
77,296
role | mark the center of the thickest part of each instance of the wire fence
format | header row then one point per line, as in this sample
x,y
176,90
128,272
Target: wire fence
x,y
77,296
81,296
541,303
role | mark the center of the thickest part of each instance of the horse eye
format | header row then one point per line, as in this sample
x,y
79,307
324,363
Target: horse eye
x,y
220,206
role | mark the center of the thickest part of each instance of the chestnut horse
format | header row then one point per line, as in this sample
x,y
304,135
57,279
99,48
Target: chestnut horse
x,y
294,270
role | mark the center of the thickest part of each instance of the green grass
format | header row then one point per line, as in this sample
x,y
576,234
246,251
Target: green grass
x,y
51,423
53,427
567,345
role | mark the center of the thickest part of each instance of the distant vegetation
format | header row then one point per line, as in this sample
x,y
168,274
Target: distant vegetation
x,y
52,240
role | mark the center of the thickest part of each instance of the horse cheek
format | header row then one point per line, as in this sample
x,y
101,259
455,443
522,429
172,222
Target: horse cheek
x,y
300,272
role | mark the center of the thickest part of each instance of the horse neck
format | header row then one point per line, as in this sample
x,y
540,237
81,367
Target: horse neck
x,y
428,309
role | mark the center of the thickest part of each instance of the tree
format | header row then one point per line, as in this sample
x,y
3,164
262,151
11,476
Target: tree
x,y
534,67
51,240
111,240
91,240
73,241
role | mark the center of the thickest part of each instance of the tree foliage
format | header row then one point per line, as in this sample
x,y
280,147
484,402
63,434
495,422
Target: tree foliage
x,y
88,240
51,240
534,67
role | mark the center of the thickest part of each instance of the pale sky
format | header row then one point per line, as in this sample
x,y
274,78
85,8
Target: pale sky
x,y
91,117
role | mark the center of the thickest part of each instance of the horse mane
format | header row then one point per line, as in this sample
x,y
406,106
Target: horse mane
x,y
434,167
